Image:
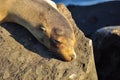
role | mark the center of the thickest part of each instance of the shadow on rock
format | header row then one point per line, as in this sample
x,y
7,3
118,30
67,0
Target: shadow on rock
x,y
25,38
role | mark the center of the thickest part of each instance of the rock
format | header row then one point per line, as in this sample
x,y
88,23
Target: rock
x,y
106,43
22,57
91,18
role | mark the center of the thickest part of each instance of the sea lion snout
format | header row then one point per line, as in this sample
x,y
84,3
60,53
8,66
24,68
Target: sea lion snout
x,y
64,46
68,55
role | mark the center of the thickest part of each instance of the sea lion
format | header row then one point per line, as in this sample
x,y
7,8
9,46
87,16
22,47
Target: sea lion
x,y
44,21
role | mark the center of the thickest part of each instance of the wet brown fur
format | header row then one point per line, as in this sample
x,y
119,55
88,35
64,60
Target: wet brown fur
x,y
44,21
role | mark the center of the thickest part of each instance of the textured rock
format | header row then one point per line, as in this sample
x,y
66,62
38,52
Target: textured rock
x,y
107,52
22,57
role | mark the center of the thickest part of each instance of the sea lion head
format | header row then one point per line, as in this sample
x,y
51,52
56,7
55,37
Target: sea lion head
x,y
56,33
62,41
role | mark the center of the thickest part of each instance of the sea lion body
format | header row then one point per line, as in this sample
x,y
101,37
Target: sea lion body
x,y
44,21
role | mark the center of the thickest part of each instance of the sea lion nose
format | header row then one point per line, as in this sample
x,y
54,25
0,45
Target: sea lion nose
x,y
73,56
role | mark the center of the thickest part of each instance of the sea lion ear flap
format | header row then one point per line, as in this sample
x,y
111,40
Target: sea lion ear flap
x,y
58,31
41,28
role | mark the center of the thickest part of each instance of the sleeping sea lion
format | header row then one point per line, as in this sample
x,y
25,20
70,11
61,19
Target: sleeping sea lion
x,y
44,21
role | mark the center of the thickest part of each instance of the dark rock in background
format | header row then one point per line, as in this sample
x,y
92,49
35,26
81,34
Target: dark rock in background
x,y
107,52
106,47
91,18
22,57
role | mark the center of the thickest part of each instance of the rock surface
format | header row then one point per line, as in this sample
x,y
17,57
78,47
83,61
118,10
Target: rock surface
x,y
91,18
107,52
22,57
